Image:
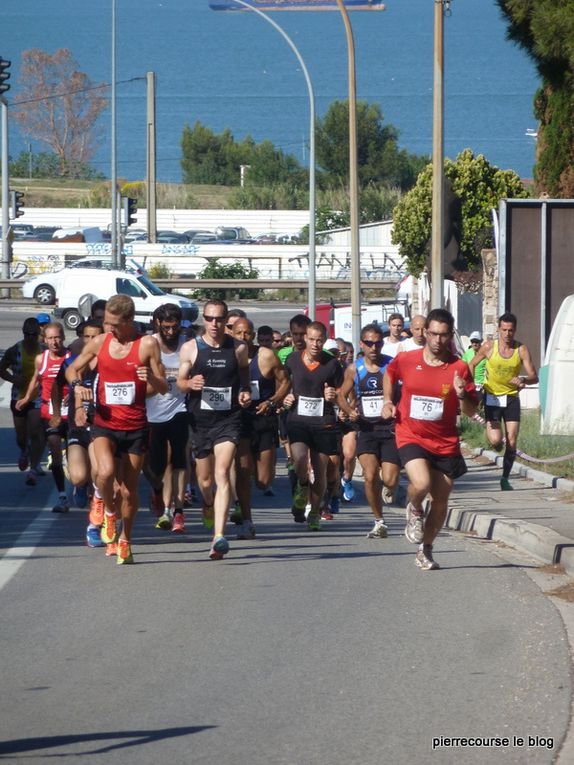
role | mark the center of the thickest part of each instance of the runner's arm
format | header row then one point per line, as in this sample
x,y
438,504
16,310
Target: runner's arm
x,y
152,369
531,377
187,357
483,353
89,352
346,389
32,386
242,355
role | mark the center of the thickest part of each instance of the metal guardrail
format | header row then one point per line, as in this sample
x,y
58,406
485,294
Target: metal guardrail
x,y
234,284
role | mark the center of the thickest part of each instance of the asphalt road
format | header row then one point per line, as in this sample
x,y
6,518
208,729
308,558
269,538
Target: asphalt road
x,y
296,648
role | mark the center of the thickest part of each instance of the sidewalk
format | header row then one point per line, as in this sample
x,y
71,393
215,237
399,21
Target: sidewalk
x,y
534,518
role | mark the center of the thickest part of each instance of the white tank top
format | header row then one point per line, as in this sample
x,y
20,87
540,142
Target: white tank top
x,y
164,406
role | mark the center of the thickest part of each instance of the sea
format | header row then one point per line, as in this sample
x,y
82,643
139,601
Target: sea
x,y
234,70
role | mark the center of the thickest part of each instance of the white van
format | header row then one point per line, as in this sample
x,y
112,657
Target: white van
x,y
81,286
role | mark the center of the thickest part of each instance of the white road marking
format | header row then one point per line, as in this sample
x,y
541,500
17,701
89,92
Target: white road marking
x,y
24,547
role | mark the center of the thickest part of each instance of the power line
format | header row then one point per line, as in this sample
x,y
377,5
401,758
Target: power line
x,y
73,92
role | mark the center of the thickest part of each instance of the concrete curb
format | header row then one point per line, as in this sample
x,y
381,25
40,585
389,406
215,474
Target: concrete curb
x,y
544,544
546,479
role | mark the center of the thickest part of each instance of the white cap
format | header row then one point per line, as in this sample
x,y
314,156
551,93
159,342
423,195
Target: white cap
x,y
475,336
330,345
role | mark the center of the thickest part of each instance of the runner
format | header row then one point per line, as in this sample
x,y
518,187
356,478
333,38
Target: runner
x,y
17,368
129,365
265,336
256,454
46,367
311,423
168,424
361,398
417,338
434,384
214,372
393,342
502,384
82,468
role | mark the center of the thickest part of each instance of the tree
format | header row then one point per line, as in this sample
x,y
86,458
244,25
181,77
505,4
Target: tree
x,y
379,158
479,186
216,159
545,30
47,165
59,105
216,270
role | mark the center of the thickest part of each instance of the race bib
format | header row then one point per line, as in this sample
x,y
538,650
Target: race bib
x,y
492,400
63,409
171,384
426,408
120,393
372,406
255,395
216,399
310,407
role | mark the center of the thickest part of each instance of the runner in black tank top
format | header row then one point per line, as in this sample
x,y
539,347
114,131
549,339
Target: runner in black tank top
x,y
312,423
214,371
259,424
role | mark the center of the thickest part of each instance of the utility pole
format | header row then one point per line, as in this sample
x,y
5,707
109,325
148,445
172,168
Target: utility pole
x,y
151,189
6,245
114,167
437,240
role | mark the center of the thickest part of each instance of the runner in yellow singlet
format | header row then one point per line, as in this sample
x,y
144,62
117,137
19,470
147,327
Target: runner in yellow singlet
x,y
503,382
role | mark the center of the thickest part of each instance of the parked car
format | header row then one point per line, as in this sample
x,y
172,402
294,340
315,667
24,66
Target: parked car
x,y
193,232
43,287
233,235
79,286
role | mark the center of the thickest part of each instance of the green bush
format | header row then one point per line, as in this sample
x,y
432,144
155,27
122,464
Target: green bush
x,y
159,271
216,270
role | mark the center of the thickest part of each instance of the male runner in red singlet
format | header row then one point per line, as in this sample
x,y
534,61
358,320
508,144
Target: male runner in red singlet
x,y
435,383
129,366
47,365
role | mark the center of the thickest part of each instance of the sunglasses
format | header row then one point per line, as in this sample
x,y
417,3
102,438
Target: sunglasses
x,y
373,343
217,319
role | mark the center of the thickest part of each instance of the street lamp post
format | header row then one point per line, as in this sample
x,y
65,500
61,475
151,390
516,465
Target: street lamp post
x,y
114,167
312,298
353,184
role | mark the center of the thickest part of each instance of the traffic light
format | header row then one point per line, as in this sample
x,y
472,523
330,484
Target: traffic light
x,y
130,210
4,75
17,203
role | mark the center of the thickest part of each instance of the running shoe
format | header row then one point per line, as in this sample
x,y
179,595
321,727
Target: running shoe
x,y
300,497
31,478
164,522
178,525
247,530
208,517
81,496
415,525
48,463
326,514
388,495
109,528
62,505
334,505
111,550
235,515
124,552
219,548
93,536
505,485
425,560
96,514
298,515
187,499
348,489
156,504
379,530
39,470
314,522
23,462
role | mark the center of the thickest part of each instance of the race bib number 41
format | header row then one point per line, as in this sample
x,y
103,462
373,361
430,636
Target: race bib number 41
x,y
216,399
120,393
372,406
426,408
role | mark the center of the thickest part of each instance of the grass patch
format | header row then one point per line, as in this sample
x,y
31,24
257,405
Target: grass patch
x,y
530,442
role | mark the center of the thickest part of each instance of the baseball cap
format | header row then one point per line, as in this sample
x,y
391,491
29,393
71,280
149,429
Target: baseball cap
x,y
43,318
330,345
475,336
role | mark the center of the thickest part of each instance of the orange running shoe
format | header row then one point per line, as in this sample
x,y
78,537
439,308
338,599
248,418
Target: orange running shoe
x,y
111,550
96,514
109,528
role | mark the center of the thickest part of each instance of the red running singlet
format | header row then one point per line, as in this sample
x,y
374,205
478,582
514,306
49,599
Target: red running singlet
x,y
120,397
47,373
